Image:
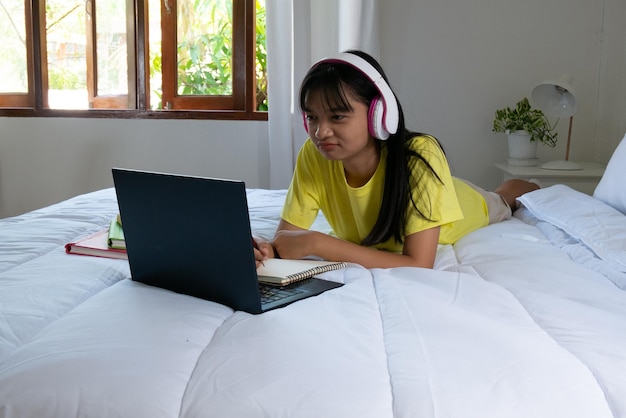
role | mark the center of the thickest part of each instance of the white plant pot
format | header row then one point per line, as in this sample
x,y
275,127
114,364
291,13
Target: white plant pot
x,y
522,151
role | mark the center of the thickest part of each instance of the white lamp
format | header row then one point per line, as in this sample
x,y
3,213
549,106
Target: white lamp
x,y
556,98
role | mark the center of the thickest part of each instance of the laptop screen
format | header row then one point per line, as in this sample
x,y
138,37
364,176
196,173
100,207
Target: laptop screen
x,y
190,235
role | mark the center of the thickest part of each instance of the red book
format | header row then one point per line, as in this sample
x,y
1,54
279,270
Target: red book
x,y
96,245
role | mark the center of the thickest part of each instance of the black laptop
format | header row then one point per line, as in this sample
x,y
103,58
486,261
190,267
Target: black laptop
x,y
192,235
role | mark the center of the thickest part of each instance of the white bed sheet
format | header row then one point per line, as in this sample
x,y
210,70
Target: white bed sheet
x,y
493,335
38,282
582,310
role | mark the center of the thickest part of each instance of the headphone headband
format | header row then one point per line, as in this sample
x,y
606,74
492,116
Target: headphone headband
x,y
390,114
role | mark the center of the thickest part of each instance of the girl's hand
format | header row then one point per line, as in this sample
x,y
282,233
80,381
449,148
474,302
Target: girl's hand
x,y
262,251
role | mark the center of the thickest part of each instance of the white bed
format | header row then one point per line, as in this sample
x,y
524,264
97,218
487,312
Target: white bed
x,y
520,319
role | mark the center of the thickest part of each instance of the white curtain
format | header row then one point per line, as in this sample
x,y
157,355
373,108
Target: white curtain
x,y
300,32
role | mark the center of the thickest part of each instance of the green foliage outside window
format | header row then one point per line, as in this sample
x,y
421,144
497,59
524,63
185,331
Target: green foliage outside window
x,y
205,47
66,58
204,60
261,58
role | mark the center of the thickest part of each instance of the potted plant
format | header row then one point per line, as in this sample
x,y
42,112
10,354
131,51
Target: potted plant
x,y
525,128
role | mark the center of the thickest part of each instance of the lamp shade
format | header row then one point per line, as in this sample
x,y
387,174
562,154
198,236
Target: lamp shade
x,y
556,97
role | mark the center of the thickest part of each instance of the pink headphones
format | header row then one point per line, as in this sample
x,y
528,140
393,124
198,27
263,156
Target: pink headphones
x,y
383,113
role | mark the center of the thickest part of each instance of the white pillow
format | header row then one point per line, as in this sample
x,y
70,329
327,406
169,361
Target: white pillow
x,y
612,187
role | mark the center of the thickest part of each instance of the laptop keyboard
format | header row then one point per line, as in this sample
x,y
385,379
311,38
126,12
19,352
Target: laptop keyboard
x,y
273,293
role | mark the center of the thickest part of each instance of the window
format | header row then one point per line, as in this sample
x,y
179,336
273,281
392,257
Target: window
x,y
16,54
133,58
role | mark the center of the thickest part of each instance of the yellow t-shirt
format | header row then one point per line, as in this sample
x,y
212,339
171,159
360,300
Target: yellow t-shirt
x,y
320,184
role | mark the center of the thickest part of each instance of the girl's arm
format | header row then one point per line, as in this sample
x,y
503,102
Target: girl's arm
x,y
290,241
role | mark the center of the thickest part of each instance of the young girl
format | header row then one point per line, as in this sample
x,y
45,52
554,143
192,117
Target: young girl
x,y
386,192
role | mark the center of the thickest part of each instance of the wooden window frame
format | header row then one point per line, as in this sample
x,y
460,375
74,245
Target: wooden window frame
x,y
34,103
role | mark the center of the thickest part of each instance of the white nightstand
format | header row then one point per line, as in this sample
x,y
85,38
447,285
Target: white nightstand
x,y
584,180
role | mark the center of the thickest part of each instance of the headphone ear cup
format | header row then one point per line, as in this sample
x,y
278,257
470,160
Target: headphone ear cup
x,y
304,121
375,119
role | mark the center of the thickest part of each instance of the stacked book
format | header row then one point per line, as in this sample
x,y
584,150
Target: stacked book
x,y
107,243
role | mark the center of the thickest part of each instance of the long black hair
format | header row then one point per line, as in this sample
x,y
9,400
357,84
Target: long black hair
x,y
331,79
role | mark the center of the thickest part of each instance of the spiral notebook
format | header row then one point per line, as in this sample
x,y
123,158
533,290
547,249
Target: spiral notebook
x,y
283,272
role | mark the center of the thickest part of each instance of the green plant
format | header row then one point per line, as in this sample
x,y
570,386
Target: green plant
x,y
261,57
524,117
205,54
205,59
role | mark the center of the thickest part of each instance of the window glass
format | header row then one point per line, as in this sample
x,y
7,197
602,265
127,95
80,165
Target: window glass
x,y
204,47
13,52
155,58
67,54
112,64
261,57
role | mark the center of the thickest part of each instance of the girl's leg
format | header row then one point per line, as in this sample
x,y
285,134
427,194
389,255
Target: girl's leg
x,y
514,188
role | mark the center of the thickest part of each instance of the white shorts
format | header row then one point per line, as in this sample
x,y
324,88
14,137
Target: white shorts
x,y
497,208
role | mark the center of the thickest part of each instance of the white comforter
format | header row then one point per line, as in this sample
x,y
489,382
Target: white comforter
x,y
508,326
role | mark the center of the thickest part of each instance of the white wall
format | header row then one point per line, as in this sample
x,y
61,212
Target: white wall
x,y
452,63
610,122
46,160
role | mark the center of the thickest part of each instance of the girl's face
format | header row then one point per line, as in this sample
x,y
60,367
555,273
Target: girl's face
x,y
339,133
